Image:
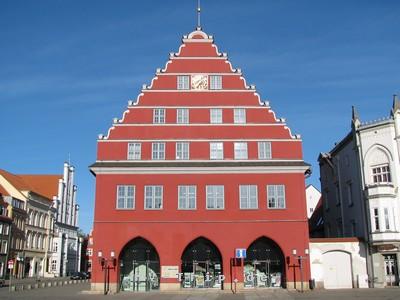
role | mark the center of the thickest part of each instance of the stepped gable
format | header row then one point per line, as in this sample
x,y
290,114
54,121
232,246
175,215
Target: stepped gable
x,y
198,55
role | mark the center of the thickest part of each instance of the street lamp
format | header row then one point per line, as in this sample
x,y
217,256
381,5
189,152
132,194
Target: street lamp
x,y
300,259
107,264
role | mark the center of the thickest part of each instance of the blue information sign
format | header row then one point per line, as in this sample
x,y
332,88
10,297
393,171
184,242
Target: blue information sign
x,y
240,253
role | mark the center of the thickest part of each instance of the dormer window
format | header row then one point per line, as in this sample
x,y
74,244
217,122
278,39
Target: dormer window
x,y
381,174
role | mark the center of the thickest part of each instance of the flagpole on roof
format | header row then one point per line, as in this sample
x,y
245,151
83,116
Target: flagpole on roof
x,y
198,15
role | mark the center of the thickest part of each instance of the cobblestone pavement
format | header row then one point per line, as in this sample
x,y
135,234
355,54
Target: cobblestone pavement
x,y
81,291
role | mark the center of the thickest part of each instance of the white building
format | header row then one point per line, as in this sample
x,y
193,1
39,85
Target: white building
x,y
312,197
360,180
66,256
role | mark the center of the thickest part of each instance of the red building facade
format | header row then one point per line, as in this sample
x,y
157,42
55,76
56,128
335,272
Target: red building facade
x,y
197,168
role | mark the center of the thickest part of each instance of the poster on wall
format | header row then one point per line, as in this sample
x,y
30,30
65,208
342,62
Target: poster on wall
x,y
169,271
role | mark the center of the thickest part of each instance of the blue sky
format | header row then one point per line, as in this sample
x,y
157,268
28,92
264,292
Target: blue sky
x,y
68,67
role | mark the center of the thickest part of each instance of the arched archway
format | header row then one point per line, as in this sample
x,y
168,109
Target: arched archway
x,y
139,266
201,265
264,265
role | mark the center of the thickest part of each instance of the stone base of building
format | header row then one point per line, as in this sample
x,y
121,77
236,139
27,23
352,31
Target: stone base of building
x,y
170,286
99,287
232,286
290,285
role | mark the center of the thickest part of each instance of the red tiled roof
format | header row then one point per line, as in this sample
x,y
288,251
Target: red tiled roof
x,y
3,191
15,180
45,185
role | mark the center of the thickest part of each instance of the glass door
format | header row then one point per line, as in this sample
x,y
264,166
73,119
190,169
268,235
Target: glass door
x,y
391,272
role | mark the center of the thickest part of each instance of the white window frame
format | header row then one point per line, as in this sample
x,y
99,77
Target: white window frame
x,y
187,197
123,197
53,265
182,116
216,150
182,151
215,115
159,116
386,218
183,82
3,247
264,150
276,198
153,197
158,151
215,82
215,197
239,115
134,151
245,196
376,219
382,174
240,150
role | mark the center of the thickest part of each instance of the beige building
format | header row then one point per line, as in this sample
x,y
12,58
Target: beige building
x,y
34,194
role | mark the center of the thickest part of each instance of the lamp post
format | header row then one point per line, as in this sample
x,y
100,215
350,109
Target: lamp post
x,y
107,264
300,259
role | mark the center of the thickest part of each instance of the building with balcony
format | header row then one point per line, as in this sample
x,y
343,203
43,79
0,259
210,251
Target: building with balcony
x,y
197,172
360,180
5,233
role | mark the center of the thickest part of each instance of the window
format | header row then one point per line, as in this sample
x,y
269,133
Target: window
x,y
386,215
134,151
376,219
216,115
153,197
339,227
125,197
248,197
349,194
187,197
158,151
353,228
217,150
182,116
215,82
55,247
159,116
337,189
53,265
239,115
6,229
182,150
328,229
240,150
326,200
3,249
276,196
381,174
264,150
89,252
215,196
183,82
28,240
